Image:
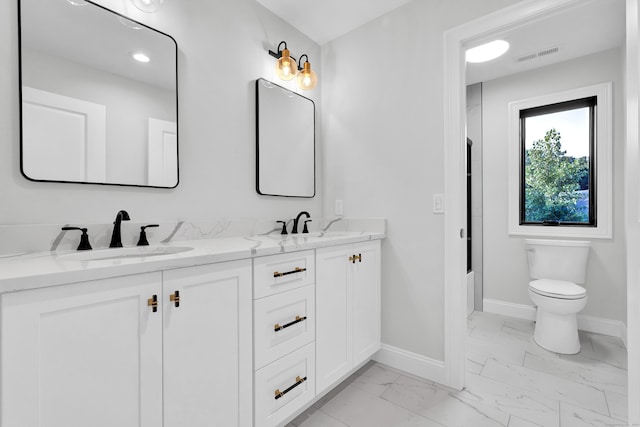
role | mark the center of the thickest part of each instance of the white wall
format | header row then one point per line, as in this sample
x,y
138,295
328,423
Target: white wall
x,y
382,116
505,262
222,50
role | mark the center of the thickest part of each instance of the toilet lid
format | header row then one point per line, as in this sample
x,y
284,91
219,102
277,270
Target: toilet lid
x,y
557,289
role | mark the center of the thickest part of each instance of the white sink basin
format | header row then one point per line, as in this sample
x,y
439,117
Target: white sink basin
x,y
124,253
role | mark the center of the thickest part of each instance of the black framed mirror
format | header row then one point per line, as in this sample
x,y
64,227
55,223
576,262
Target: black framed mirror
x,y
285,142
98,97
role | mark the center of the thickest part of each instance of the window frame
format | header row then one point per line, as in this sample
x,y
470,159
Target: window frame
x,y
590,102
600,167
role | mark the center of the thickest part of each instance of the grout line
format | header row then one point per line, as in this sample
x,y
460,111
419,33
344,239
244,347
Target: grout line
x,y
334,418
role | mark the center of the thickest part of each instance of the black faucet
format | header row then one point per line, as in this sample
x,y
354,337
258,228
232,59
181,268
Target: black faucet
x,y
116,237
295,221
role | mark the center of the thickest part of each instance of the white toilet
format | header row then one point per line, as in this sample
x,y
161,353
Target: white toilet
x,y
556,268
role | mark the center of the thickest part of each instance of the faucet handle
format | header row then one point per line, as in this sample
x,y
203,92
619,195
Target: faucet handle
x,y
142,241
84,238
284,227
305,229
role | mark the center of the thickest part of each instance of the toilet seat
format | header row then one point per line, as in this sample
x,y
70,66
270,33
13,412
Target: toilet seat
x,y
559,289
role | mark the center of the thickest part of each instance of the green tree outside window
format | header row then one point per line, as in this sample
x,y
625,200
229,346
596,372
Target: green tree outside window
x,y
555,183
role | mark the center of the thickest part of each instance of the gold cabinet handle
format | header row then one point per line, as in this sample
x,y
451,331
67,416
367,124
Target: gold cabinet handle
x,y
175,298
299,319
299,381
286,273
359,257
153,303
354,258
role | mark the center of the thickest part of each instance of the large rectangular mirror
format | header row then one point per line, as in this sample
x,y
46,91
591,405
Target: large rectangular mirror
x,y
98,96
285,142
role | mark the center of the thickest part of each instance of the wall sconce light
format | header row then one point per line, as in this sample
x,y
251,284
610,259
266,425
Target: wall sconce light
x,y
287,68
307,78
149,6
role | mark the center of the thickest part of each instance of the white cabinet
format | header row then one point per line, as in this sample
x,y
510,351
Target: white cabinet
x,y
85,354
202,346
364,274
97,354
284,335
207,345
347,309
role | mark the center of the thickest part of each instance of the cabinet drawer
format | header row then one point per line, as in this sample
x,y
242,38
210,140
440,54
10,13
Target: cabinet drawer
x,y
283,323
284,386
283,272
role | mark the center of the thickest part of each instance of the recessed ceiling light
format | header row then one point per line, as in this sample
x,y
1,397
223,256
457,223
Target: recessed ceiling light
x,y
487,51
140,57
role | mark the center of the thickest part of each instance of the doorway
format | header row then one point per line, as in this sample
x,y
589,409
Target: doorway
x,y
455,187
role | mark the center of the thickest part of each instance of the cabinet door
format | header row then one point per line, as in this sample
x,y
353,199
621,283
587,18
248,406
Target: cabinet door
x,y
333,315
365,281
85,354
207,346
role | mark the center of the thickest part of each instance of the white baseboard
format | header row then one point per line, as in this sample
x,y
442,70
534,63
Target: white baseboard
x,y
598,325
415,364
521,311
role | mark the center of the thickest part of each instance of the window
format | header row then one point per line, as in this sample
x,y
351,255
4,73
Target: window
x,y
559,154
557,183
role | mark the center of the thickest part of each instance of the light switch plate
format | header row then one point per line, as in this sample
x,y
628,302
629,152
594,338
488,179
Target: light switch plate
x,y
438,203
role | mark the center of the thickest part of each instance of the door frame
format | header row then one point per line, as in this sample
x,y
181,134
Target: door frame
x,y
455,42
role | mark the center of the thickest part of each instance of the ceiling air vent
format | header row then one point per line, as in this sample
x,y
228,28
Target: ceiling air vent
x,y
538,54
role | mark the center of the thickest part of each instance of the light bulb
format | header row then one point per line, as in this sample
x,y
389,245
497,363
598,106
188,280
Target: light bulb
x,y
307,79
286,66
286,69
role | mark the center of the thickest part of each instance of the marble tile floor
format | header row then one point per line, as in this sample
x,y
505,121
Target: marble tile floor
x,y
510,382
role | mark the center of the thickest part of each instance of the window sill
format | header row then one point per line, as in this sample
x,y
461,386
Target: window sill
x,y
562,232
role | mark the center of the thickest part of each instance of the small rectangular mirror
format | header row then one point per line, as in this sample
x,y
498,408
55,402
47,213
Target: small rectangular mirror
x,y
92,109
285,142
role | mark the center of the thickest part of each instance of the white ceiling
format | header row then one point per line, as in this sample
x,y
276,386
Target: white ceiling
x,y
593,26
325,20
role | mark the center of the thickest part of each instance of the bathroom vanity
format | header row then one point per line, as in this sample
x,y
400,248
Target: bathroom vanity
x,y
232,332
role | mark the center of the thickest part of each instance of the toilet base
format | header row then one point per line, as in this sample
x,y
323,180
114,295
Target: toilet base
x,y
557,332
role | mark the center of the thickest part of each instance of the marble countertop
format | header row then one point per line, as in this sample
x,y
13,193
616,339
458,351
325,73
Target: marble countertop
x,y
43,269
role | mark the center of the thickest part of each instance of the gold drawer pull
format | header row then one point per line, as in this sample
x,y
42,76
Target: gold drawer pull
x,y
299,381
153,303
299,319
296,270
175,298
354,258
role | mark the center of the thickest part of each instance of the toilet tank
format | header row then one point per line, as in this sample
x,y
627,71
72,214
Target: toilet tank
x,y
557,259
